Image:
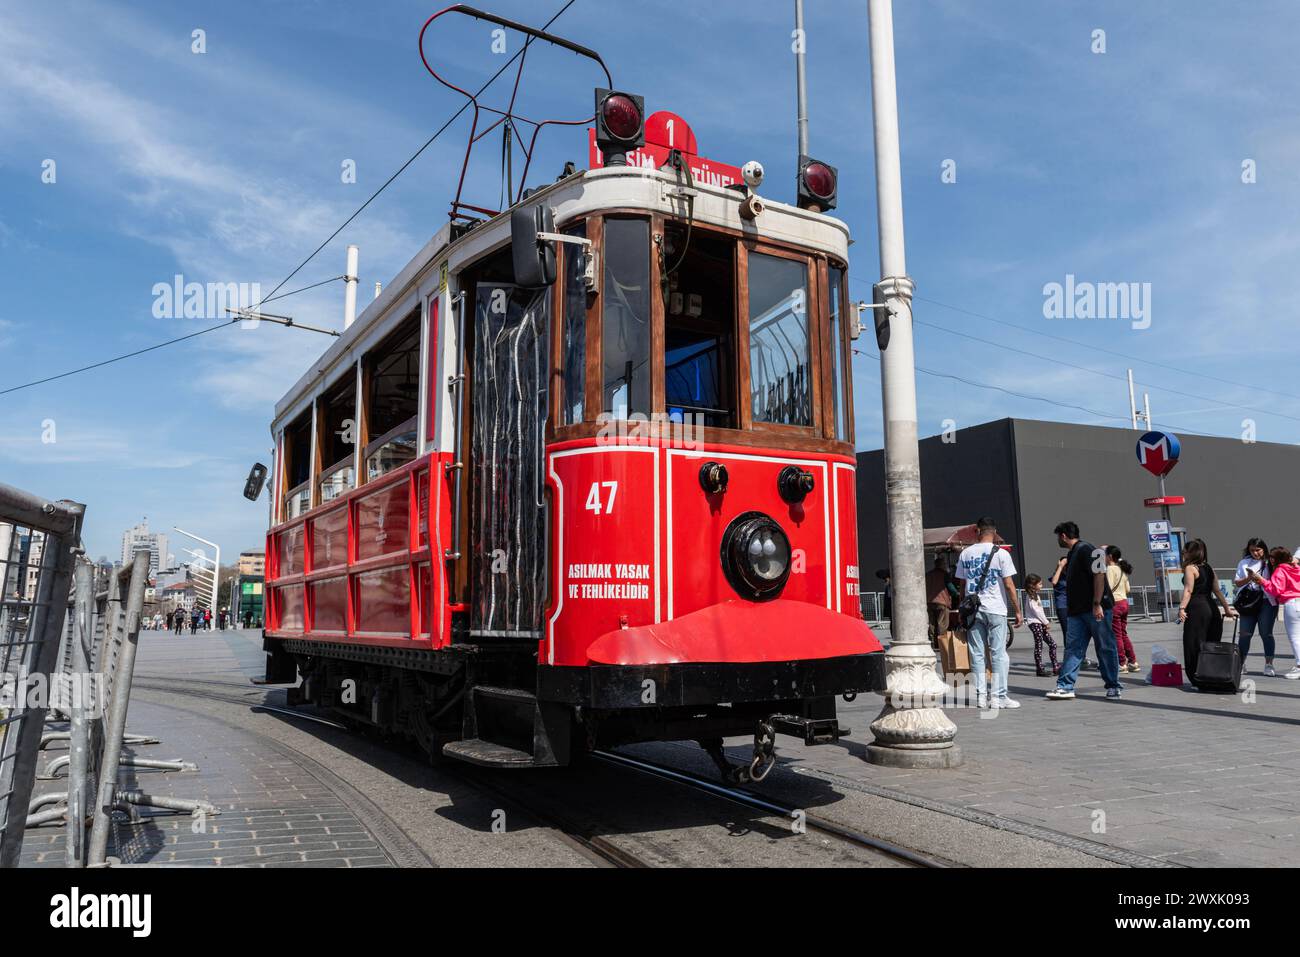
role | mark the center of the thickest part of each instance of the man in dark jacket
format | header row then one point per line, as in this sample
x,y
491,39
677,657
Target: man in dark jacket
x,y
1088,606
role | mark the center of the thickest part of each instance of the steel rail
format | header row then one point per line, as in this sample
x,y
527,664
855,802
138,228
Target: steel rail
x,y
751,800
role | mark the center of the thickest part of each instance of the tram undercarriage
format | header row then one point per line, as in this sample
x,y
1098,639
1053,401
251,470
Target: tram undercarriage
x,y
472,705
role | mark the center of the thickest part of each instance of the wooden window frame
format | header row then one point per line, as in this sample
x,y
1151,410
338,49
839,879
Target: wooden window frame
x,y
819,437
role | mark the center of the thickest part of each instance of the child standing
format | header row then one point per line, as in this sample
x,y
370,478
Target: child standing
x,y
1040,627
1117,571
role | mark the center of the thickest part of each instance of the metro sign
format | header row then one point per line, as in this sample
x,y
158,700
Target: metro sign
x,y
1161,501
665,132
1157,452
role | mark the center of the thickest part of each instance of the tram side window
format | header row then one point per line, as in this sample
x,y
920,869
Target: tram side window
x,y
838,399
573,355
626,318
393,402
780,372
338,437
699,315
297,466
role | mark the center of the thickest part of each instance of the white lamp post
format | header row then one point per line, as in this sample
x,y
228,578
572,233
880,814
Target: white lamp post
x,y
911,730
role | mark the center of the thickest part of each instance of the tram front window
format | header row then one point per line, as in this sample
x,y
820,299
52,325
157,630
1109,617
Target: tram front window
x,y
780,373
626,318
699,315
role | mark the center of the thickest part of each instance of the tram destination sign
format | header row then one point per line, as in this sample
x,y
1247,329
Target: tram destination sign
x,y
664,132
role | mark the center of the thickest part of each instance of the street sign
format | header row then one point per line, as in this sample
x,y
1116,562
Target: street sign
x,y
1157,452
666,131
1158,539
1162,500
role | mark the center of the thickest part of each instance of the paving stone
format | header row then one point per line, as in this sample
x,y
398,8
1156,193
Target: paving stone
x,y
1182,775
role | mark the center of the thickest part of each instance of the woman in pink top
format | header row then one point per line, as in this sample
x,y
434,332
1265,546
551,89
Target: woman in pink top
x,y
1284,585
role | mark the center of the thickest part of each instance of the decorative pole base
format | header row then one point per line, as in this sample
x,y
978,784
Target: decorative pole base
x,y
912,730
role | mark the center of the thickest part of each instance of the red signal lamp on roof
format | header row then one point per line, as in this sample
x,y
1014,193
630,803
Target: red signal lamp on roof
x,y
818,185
620,125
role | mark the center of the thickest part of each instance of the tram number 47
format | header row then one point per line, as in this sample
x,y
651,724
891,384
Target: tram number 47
x,y
594,503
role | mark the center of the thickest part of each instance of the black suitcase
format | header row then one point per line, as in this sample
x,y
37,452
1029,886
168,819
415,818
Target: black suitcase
x,y
1218,668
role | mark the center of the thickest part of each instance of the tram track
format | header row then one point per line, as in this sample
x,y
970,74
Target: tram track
x,y
597,848
751,800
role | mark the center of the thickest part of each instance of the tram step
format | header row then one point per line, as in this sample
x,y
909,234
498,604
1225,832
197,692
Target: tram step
x,y
487,754
517,695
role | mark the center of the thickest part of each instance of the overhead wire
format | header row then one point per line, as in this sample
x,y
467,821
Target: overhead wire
x,y
280,285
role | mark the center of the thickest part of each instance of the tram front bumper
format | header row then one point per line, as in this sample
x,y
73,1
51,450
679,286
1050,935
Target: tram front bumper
x,y
699,684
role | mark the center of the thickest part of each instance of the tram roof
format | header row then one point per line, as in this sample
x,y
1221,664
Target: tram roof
x,y
622,188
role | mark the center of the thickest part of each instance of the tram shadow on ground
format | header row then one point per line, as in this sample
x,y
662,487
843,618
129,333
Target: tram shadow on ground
x,y
591,798
595,798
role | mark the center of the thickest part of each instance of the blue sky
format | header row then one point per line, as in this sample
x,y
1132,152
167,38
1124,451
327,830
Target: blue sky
x,y
1122,166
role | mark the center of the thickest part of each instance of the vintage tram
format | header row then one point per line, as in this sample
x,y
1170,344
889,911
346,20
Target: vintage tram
x,y
582,475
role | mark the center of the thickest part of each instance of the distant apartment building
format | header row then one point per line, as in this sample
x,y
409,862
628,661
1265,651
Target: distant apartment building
x,y
252,563
20,552
179,595
139,538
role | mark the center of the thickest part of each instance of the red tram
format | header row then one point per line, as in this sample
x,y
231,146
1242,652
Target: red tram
x,y
583,475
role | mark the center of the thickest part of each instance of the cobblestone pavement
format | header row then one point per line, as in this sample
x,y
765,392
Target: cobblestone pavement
x,y
275,811
1164,775
288,795
1190,778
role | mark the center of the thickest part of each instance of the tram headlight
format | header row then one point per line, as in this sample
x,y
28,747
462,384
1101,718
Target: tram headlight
x,y
756,556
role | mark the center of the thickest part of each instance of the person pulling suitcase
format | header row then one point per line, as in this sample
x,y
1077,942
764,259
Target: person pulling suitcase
x,y
1218,668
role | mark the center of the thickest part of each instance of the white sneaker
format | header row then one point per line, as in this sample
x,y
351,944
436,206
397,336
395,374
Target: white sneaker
x,y
1005,703
1059,694
1293,674
1269,672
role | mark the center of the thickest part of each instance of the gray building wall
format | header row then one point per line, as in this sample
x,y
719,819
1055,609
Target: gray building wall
x,y
1030,475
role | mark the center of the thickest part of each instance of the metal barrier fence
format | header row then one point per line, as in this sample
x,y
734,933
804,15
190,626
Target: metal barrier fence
x,y
33,612
67,647
105,634
1144,604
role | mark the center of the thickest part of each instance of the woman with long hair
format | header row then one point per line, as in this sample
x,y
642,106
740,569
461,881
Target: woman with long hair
x,y
1284,585
1117,571
1201,621
1257,608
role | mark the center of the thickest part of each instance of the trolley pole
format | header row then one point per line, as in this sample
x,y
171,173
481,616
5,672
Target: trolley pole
x,y
911,730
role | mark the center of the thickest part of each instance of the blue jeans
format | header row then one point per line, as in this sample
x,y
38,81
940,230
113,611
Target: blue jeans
x,y
993,629
1080,629
1264,620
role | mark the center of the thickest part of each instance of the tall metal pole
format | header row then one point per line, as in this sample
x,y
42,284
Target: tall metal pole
x,y
910,731
350,288
1132,402
801,82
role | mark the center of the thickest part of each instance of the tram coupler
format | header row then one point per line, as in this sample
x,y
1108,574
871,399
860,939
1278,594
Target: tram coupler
x,y
811,730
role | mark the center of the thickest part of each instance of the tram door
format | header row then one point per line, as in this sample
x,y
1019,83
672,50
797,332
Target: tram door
x,y
508,533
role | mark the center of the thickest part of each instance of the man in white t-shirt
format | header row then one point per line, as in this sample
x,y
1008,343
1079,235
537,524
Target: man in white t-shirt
x,y
990,623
